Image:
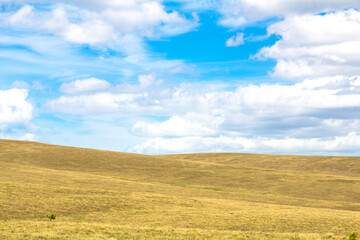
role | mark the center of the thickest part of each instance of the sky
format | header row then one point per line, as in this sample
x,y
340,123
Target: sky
x,y
182,76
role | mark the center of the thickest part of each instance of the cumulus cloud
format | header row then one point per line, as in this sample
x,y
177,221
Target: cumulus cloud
x,y
14,108
348,144
23,16
16,113
20,84
102,22
97,5
90,31
144,15
54,33
25,137
264,100
316,45
94,103
95,96
36,85
301,97
236,40
86,85
192,124
236,13
319,115
144,82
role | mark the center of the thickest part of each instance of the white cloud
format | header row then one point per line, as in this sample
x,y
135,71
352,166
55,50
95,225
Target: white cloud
x,y
97,5
250,118
96,96
314,107
25,137
300,97
20,84
347,144
319,112
236,40
236,13
22,17
252,100
54,34
102,22
94,103
143,17
316,45
14,108
192,124
144,82
86,85
36,85
92,32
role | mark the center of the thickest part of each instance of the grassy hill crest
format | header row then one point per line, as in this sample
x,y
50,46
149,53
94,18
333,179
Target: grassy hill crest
x,y
102,195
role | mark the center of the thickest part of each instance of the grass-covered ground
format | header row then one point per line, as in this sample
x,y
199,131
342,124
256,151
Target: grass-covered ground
x,y
111,195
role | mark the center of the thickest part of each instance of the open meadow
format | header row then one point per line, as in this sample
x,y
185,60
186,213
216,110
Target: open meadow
x,y
111,195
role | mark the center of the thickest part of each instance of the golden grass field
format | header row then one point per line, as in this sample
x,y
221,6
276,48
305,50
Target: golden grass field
x,y
112,195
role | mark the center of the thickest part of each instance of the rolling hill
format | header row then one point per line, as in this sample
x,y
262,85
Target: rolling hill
x,y
112,195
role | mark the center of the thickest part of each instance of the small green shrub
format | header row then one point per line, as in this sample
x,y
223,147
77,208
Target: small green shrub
x,y
51,217
353,236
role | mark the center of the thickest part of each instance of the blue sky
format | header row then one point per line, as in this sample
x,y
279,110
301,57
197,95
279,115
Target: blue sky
x,y
157,77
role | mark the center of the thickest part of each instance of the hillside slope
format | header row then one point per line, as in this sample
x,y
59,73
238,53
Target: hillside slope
x,y
334,165
102,195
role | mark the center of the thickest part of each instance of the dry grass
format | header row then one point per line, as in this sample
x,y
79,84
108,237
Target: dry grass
x,y
110,195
